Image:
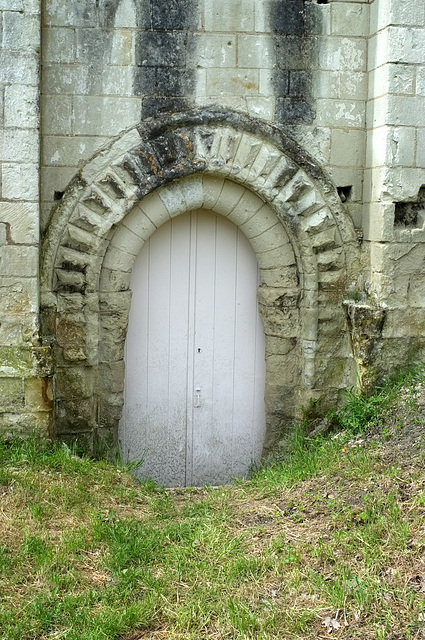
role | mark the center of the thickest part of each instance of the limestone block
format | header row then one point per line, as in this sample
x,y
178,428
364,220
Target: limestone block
x,y
234,82
118,81
69,151
56,114
123,47
193,192
215,50
330,260
12,329
246,153
76,384
67,79
355,211
55,179
11,394
262,221
65,14
70,302
38,394
280,368
341,54
248,204
138,223
113,154
317,141
113,376
21,106
349,19
18,297
281,346
173,199
348,147
274,238
353,176
155,209
58,45
267,82
11,5
228,198
396,110
398,184
234,15
404,323
331,280
118,260
17,68
12,424
19,260
20,182
126,240
92,46
278,256
327,84
21,221
384,14
340,113
377,54
256,51
416,292
25,362
278,277
111,347
307,203
114,280
20,145
281,325
212,188
324,240
21,31
261,108
392,78
420,151
352,85
116,303
406,44
104,116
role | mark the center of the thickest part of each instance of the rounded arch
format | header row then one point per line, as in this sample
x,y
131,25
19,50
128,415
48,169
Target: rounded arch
x,y
224,162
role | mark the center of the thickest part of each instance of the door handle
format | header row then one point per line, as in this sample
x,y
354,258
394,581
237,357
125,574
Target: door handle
x,y
197,397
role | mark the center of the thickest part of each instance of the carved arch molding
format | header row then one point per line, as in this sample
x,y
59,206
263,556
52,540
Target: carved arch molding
x,y
231,165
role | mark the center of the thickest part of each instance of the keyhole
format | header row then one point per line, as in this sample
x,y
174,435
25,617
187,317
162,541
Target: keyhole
x,y
199,351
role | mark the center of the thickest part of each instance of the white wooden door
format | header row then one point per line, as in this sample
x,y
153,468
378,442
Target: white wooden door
x,y
195,370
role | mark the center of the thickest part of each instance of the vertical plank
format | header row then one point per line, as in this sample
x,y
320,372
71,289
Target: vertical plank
x,y
155,398
249,353
203,347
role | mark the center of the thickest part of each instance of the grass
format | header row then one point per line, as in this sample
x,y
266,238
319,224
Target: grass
x,y
327,542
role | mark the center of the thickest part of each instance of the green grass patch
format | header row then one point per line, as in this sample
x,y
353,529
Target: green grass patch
x,y
327,541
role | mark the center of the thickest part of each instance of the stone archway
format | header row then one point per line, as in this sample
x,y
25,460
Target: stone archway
x,y
221,161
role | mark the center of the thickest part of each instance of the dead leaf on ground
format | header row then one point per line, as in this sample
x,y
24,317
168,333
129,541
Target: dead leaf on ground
x,y
331,624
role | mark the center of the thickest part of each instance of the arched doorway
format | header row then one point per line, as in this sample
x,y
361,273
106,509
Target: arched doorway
x,y
258,178
195,355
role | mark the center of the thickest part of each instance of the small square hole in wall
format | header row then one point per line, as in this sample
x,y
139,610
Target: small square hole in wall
x,y
410,214
58,195
345,193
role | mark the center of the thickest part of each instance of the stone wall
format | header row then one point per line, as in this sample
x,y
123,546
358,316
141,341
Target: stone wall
x,y
394,223
25,368
340,81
